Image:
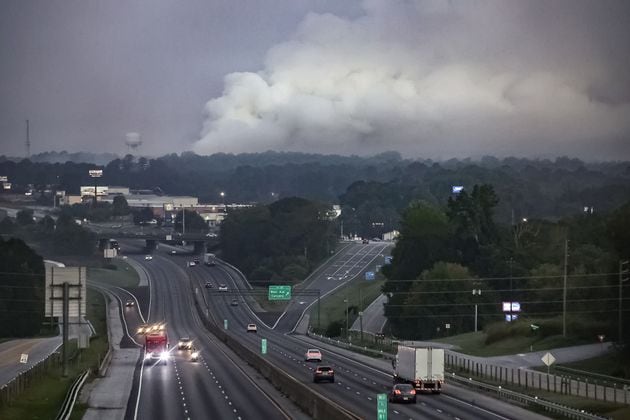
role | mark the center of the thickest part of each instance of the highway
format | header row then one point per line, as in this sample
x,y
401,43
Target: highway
x,y
357,383
217,386
220,386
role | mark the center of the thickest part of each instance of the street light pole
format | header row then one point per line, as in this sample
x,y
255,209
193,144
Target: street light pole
x,y
623,277
511,290
347,331
564,290
477,292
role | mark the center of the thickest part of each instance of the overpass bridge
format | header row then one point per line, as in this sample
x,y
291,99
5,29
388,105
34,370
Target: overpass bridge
x,y
152,235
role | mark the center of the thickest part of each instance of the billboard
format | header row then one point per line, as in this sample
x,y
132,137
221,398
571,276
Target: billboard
x,y
515,307
76,277
89,191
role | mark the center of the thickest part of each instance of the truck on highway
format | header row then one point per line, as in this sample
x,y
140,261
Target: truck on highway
x,y
156,347
209,259
422,367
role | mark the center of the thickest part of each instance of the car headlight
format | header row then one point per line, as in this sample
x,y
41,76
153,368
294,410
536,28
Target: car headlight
x,y
195,355
147,356
164,355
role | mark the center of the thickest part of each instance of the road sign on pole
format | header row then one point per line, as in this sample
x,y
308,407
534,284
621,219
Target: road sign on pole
x,y
381,406
279,293
263,346
548,360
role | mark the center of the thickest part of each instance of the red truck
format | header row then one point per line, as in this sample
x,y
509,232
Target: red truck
x,y
156,347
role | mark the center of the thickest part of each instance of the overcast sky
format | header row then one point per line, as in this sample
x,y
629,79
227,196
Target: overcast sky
x,y
431,79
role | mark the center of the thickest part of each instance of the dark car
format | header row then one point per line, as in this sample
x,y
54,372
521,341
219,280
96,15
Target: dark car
x,y
208,285
323,373
366,241
234,302
130,303
402,393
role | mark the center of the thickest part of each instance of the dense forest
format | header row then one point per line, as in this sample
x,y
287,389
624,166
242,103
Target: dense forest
x,y
444,253
381,185
516,231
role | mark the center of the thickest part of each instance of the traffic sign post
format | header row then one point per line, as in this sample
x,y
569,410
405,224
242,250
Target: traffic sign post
x,y
263,346
279,293
381,406
548,360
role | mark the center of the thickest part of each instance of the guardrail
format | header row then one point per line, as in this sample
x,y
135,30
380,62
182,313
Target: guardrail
x,y
71,397
584,373
506,394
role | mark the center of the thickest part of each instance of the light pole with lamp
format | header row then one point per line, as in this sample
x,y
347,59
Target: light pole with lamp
x,y
347,332
477,292
223,199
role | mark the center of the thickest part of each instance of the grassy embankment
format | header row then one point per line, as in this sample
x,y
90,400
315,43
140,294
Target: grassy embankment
x,y
44,397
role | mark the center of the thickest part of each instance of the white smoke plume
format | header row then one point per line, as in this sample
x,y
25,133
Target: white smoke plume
x,y
437,79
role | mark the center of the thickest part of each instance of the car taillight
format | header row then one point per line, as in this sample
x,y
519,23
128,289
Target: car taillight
x,y
397,391
413,391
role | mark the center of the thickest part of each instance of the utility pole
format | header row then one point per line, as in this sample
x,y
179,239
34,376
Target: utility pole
x,y
564,289
624,271
66,322
183,220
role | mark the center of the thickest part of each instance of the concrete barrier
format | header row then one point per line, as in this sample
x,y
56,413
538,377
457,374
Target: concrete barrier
x,y
311,402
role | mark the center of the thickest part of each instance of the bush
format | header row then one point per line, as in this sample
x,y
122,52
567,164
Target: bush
x,y
501,331
334,329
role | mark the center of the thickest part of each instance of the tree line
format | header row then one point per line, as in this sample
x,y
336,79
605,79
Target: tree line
x,y
444,253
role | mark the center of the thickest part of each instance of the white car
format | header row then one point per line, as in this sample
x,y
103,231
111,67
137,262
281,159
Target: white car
x,y
223,288
211,235
252,328
313,355
148,257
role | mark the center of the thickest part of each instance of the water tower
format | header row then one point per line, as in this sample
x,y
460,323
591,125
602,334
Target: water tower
x,y
132,140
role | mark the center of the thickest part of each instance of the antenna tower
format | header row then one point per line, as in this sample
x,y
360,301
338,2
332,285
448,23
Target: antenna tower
x,y
28,141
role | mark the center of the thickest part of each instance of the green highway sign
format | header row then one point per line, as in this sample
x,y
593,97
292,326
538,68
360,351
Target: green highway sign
x,y
381,406
263,346
279,293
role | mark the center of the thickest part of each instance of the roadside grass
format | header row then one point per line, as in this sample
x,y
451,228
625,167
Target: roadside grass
x,y
43,398
117,273
614,364
359,292
474,344
608,409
